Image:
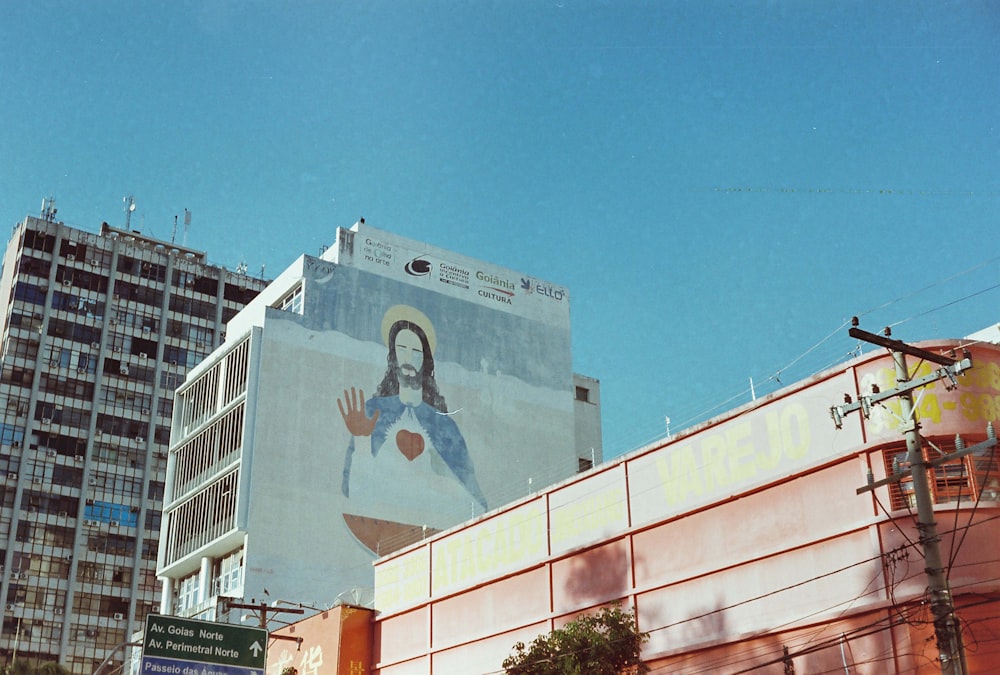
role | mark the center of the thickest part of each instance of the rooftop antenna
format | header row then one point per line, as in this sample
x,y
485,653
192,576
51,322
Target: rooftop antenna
x,y
187,224
666,421
49,208
129,203
242,267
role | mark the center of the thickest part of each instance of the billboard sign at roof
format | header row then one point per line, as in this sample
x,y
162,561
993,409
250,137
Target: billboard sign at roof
x,y
446,272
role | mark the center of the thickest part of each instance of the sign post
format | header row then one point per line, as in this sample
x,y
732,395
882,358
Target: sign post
x,y
176,646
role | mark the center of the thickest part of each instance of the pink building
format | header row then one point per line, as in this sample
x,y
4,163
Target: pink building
x,y
734,542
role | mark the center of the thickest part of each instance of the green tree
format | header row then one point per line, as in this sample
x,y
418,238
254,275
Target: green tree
x,y
24,667
606,643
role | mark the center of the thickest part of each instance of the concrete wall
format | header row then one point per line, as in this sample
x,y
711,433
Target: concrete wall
x,y
731,541
323,500
588,437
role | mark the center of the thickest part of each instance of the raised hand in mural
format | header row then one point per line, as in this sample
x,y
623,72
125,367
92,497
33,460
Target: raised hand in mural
x,y
354,416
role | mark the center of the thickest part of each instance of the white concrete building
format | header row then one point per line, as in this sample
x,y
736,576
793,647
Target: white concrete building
x,y
369,397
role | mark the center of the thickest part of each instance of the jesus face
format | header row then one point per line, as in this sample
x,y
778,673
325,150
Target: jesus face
x,y
409,357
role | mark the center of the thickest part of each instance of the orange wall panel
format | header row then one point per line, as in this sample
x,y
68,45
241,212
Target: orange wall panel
x,y
592,577
824,648
806,584
491,609
811,507
337,641
402,636
421,666
484,656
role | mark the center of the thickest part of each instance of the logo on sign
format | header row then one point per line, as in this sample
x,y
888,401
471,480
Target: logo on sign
x,y
418,267
529,286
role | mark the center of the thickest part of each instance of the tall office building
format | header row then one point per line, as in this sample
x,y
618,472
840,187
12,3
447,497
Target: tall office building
x,y
98,331
369,397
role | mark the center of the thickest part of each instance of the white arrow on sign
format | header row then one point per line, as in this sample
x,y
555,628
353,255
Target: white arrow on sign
x,y
255,648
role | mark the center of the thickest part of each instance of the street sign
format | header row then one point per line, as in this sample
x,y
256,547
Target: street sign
x,y
176,646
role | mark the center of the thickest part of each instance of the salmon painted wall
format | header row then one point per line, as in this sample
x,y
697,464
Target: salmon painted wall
x,y
731,541
336,641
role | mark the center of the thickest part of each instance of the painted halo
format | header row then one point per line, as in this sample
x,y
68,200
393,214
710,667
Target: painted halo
x,y
414,316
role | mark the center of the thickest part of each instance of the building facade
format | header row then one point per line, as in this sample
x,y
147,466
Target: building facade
x,y
744,545
99,330
368,398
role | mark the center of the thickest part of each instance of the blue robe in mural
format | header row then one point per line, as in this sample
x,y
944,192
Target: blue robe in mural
x,y
442,434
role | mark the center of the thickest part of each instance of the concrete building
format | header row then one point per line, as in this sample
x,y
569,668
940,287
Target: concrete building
x,y
99,329
766,540
368,398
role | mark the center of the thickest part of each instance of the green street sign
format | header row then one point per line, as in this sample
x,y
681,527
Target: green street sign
x,y
221,644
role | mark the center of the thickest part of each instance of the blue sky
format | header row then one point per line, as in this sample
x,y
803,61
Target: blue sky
x,y
721,185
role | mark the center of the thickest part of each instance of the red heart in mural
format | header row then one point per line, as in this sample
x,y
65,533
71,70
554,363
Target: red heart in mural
x,y
410,444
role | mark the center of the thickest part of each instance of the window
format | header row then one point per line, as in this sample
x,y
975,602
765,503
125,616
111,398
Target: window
x,y
230,573
29,293
583,394
188,594
974,476
201,334
109,512
291,301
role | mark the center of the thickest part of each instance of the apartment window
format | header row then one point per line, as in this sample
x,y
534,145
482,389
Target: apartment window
x,y
230,573
110,512
29,293
34,267
292,301
200,334
175,355
583,394
152,271
183,279
21,348
155,491
240,294
170,381
187,592
967,479
199,284
139,317
150,549
40,241
90,572
192,307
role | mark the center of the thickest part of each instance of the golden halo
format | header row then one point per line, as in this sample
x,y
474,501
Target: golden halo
x,y
414,316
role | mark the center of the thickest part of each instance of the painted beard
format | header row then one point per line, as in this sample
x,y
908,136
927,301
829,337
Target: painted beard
x,y
409,377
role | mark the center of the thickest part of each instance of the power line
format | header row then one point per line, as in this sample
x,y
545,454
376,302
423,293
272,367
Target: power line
x,y
712,404
879,192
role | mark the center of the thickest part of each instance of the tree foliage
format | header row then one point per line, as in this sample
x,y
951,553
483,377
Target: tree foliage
x,y
606,643
24,667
